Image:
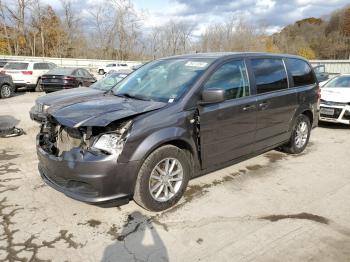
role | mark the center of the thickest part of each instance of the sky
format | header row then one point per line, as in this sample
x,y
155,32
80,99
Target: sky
x,y
274,14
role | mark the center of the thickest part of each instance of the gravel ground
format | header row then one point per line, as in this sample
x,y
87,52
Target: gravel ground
x,y
274,207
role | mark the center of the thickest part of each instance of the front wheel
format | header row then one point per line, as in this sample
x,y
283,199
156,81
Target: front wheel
x,y
300,136
162,179
6,91
101,72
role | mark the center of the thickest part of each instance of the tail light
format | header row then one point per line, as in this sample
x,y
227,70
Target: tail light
x,y
69,78
319,91
27,72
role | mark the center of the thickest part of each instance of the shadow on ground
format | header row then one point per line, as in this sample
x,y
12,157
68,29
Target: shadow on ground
x,y
138,241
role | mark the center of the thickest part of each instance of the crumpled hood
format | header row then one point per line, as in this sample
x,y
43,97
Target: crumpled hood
x,y
68,94
341,95
100,110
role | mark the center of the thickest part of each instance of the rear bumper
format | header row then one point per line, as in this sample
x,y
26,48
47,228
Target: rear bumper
x,y
341,114
24,85
53,88
92,178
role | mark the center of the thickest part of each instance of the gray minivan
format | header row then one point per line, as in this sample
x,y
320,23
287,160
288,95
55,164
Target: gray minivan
x,y
174,119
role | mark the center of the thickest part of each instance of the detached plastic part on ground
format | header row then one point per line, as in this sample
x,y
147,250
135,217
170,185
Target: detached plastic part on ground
x,y
8,127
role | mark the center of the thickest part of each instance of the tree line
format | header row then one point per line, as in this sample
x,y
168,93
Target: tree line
x,y
113,30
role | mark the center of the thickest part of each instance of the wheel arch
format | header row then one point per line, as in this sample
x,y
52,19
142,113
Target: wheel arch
x,y
309,114
305,110
176,136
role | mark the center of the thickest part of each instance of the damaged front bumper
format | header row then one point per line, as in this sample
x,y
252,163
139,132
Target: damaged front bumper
x,y
94,178
335,112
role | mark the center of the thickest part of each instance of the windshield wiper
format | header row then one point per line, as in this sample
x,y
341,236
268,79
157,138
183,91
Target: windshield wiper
x,y
127,95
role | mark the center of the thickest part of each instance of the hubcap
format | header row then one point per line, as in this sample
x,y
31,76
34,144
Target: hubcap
x,y
166,179
301,135
5,91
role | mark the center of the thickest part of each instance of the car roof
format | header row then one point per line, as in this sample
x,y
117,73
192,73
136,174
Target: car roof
x,y
223,55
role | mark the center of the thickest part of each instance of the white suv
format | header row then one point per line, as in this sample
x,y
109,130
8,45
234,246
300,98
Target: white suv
x,y
116,67
27,74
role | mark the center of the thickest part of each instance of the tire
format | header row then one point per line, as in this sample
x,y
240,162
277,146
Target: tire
x,y
39,87
101,72
6,91
297,144
143,195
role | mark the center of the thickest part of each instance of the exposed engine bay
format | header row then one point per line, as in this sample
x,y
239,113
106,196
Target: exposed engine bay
x,y
56,139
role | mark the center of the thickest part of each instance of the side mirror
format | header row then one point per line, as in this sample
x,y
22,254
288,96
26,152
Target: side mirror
x,y
212,96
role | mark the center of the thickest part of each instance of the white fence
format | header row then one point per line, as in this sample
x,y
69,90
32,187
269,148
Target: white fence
x,y
332,66
91,64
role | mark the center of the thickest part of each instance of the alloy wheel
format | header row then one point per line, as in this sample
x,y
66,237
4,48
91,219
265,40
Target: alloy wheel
x,y
166,179
301,135
5,91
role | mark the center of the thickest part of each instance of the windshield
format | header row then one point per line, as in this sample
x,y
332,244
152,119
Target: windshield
x,y
108,82
339,81
162,80
16,66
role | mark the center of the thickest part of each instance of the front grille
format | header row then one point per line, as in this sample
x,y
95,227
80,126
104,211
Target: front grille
x,y
332,103
337,112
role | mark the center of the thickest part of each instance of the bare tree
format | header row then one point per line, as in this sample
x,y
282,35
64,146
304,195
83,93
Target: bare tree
x,y
4,27
17,16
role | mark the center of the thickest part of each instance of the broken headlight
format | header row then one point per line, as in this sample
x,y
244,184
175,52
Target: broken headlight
x,y
113,142
109,143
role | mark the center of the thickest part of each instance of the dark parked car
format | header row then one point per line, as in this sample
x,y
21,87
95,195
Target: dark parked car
x,y
174,119
39,110
7,87
65,78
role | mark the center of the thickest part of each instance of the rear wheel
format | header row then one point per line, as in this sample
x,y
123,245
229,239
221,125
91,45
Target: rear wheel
x,y
300,136
101,72
162,179
6,91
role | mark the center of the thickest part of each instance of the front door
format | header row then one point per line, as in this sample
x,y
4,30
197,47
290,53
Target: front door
x,y
227,129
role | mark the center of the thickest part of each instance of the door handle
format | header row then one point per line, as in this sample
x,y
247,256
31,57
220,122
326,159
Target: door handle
x,y
248,107
263,105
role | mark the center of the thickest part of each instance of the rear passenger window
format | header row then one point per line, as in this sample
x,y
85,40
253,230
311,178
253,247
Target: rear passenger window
x,y
301,72
232,77
16,66
41,66
270,75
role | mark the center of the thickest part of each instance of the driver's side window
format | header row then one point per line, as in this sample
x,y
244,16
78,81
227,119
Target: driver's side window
x,y
232,77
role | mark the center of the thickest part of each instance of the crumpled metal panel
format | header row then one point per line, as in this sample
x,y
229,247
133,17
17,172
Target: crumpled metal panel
x,y
100,110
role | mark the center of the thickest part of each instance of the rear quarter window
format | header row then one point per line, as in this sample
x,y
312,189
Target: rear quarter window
x,y
270,74
16,66
41,66
301,72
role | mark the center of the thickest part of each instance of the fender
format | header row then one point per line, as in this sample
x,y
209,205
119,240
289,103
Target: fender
x,y
160,137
